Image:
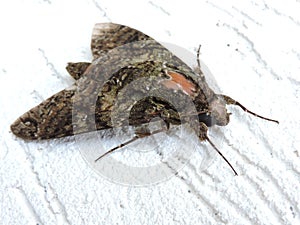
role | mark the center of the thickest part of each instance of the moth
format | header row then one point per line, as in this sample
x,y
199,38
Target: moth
x,y
157,84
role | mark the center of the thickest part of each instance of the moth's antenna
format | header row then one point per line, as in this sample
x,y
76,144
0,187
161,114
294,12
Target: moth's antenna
x,y
198,69
231,101
198,57
213,145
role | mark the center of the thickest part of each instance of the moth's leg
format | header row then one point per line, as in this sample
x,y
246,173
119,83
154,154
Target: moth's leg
x,y
231,101
136,137
142,130
203,137
76,70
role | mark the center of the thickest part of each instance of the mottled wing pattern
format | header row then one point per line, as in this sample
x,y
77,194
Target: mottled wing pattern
x,y
53,117
76,70
50,119
107,36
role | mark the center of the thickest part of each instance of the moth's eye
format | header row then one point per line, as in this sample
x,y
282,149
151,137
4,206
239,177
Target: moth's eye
x,y
207,119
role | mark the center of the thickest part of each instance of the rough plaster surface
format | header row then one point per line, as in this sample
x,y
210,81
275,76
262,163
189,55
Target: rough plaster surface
x,y
252,49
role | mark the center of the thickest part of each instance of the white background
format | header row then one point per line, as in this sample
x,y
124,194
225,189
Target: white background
x,y
253,50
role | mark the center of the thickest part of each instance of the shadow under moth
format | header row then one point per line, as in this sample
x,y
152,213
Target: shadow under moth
x,y
131,80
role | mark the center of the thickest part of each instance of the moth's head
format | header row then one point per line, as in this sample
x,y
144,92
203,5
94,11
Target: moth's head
x,y
216,115
218,112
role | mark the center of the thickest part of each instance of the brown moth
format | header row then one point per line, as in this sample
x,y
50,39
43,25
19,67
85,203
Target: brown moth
x,y
156,84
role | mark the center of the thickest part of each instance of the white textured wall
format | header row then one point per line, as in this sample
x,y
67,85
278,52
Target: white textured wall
x,y
253,50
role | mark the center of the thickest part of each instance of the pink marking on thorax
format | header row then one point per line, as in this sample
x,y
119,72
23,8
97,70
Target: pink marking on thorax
x,y
179,82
